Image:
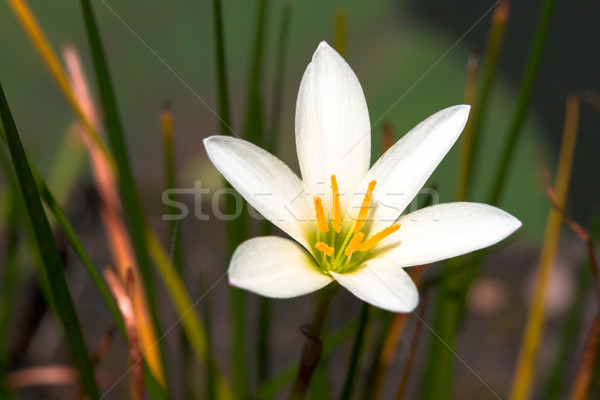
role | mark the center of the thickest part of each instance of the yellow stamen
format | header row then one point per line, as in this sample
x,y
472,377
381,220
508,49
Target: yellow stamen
x,y
323,248
320,214
337,216
378,237
364,208
354,243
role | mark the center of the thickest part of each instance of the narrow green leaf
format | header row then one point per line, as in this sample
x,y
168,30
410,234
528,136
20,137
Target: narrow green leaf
x,y
529,77
277,96
131,206
490,62
356,351
51,259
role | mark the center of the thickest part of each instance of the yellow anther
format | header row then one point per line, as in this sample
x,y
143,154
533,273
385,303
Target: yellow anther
x,y
378,237
336,214
354,242
364,208
323,248
320,214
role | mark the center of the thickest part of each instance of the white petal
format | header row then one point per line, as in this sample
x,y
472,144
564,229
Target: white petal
x,y
333,132
275,267
446,230
383,284
403,170
264,181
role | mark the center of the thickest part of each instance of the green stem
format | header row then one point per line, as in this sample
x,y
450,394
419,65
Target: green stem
x,y
131,206
263,338
279,78
535,56
356,350
53,270
7,294
221,69
490,61
313,347
553,387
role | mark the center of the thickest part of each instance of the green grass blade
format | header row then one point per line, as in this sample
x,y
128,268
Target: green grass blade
x,y
277,96
531,70
129,199
554,384
8,289
132,210
222,87
490,61
356,351
51,259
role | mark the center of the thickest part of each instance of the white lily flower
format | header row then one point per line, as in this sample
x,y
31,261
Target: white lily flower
x,y
346,218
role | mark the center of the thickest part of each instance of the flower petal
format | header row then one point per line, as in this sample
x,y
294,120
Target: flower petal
x,y
333,132
403,170
446,230
275,267
264,181
383,284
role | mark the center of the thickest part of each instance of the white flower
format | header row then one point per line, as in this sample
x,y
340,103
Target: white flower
x,y
345,217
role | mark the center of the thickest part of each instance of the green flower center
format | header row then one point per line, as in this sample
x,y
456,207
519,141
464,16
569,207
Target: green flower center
x,y
343,249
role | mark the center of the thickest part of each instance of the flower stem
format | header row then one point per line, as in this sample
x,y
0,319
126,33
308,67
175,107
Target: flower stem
x,y
313,347
356,350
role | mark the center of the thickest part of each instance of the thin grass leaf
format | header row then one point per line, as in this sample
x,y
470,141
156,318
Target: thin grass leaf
x,y
196,332
8,287
525,370
277,96
522,105
264,319
131,206
413,349
490,62
45,240
466,138
42,45
356,352
554,384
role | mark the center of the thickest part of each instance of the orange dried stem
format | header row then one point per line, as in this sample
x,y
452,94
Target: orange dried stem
x,y
337,215
364,208
323,248
378,237
320,214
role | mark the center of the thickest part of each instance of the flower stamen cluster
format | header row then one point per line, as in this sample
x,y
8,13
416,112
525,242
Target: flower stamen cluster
x,y
350,241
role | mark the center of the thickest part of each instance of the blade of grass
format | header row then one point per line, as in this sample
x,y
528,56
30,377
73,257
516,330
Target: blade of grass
x,y
525,370
119,242
490,61
466,138
526,88
45,240
8,287
126,183
391,341
277,96
264,333
42,45
356,351
196,332
125,302
554,384
413,349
